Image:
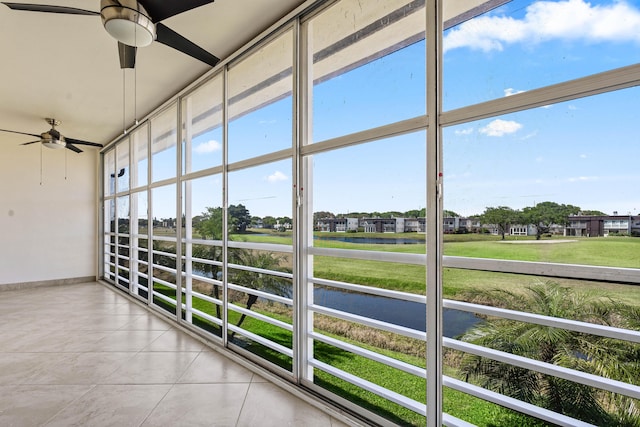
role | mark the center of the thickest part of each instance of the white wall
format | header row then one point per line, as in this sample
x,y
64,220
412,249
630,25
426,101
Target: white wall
x,y
48,230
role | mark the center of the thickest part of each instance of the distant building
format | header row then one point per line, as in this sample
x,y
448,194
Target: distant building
x,y
602,225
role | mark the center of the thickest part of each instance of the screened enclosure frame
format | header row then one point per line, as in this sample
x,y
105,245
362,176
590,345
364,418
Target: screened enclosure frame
x,y
294,356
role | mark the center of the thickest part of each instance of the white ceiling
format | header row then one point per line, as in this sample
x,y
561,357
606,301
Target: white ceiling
x,y
67,67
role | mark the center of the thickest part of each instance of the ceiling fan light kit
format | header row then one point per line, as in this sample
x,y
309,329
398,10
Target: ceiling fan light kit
x,y
128,22
50,141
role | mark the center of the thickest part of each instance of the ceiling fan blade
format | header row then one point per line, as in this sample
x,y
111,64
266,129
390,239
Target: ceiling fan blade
x,y
160,10
73,148
127,55
167,36
54,133
32,142
49,8
21,133
81,142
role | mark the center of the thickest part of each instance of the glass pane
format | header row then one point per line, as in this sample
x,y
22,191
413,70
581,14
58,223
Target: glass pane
x,y
528,44
260,102
202,294
203,208
368,66
122,165
202,124
250,270
260,196
164,211
383,192
109,159
545,175
164,137
140,161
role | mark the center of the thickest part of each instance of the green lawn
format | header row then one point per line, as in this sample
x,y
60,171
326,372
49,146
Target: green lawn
x,y
612,251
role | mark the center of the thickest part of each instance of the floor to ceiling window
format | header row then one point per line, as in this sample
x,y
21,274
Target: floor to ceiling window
x,y
280,207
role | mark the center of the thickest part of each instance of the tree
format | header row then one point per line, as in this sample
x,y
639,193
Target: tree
x,y
545,214
588,353
239,218
209,224
592,213
268,221
503,217
258,281
317,216
450,214
209,227
415,213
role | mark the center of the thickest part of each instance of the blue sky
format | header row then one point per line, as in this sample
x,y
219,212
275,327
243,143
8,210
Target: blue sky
x,y
582,152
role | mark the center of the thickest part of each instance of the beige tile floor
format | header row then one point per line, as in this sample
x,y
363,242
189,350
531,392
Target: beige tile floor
x,y
84,355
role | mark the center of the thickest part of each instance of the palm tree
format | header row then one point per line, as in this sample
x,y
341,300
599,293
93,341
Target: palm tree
x,y
602,356
259,281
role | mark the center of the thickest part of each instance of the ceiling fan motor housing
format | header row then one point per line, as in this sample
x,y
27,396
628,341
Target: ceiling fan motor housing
x,y
128,22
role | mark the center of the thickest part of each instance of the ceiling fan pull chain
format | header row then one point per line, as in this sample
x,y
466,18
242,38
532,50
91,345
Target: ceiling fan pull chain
x,y
135,96
41,164
124,102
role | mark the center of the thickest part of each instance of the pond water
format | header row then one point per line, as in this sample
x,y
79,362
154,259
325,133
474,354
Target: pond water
x,y
404,313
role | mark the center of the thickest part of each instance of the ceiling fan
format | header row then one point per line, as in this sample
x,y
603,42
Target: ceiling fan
x,y
53,139
136,24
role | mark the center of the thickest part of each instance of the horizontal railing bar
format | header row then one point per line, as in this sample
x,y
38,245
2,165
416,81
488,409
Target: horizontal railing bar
x,y
261,271
163,297
146,276
511,403
538,319
403,258
271,247
377,357
203,261
451,421
165,283
205,242
266,295
205,316
545,368
169,254
163,268
203,297
572,271
401,400
367,321
203,279
257,338
387,293
171,239
260,316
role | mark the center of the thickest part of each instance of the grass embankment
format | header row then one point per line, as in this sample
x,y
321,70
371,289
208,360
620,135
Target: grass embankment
x,y
612,251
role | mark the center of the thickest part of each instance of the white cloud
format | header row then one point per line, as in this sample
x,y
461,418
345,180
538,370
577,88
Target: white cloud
x,y
583,178
539,159
277,176
583,156
461,132
500,127
208,147
511,91
546,20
